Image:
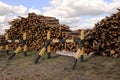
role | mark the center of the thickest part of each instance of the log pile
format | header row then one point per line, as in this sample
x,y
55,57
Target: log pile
x,y
1,40
36,27
105,37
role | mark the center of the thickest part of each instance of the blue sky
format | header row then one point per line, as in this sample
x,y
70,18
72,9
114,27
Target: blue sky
x,y
37,4
75,13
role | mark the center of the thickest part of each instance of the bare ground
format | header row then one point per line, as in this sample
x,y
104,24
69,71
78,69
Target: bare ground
x,y
58,68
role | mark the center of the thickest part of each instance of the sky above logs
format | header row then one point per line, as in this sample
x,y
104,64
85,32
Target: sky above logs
x,y
75,13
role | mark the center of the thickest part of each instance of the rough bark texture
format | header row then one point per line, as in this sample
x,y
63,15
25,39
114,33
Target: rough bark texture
x,y
104,38
36,27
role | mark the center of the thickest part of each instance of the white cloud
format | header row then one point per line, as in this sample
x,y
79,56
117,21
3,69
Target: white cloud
x,y
75,8
3,19
55,2
111,7
37,11
7,9
69,10
89,22
71,22
9,12
79,23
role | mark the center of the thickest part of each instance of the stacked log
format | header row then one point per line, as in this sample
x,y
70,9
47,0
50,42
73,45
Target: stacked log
x,y
1,40
105,37
36,27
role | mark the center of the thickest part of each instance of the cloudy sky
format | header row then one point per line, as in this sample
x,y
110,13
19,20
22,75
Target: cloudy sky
x,y
75,13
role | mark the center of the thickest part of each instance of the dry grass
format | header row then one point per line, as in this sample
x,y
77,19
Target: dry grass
x,y
58,68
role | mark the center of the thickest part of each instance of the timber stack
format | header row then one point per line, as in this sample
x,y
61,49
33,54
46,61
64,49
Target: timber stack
x,y
105,37
36,27
1,40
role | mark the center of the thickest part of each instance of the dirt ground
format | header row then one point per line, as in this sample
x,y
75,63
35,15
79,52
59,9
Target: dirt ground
x,y
58,68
